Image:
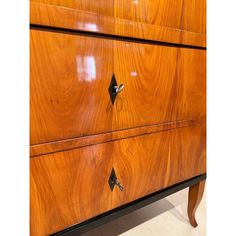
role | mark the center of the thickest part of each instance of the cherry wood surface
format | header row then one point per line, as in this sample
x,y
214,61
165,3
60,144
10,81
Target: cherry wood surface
x,y
69,81
69,187
194,16
194,199
72,186
71,74
156,24
102,7
62,145
154,135
149,163
165,13
161,84
189,15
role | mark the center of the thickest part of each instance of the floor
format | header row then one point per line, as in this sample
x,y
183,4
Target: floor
x,y
167,217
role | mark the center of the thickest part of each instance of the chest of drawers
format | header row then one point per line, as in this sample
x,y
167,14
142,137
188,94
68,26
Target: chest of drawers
x,y
117,109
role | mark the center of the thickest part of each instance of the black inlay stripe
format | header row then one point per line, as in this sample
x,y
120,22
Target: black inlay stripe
x,y
109,36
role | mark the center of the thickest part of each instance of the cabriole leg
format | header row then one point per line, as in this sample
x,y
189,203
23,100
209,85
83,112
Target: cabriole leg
x,y
194,198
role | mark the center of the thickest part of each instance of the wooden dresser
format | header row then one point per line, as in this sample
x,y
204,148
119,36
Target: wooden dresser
x,y
117,109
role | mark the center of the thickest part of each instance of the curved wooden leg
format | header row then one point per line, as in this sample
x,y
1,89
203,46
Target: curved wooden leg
x,y
194,198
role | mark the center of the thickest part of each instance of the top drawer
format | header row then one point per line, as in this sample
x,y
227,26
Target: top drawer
x,y
71,76
189,15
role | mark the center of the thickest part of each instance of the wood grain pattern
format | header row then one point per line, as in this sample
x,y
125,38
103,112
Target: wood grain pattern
x,y
149,163
161,84
189,87
62,145
194,16
165,13
194,199
154,135
70,77
102,7
69,18
70,187
188,15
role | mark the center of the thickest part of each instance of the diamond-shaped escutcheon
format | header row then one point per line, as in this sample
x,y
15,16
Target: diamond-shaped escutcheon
x,y
111,89
112,179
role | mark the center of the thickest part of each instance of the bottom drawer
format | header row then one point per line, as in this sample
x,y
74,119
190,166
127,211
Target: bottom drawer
x,y
72,186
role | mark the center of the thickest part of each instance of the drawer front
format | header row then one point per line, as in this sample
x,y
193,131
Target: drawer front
x,y
69,187
69,81
149,163
72,186
161,84
188,15
71,76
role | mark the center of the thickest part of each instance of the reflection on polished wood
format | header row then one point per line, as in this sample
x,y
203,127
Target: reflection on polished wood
x,y
103,7
165,13
73,19
153,134
189,15
70,77
70,187
161,84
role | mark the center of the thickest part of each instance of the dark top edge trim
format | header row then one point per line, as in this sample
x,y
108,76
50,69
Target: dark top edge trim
x,y
111,37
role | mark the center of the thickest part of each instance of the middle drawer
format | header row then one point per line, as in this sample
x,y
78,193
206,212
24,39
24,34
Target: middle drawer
x,y
72,77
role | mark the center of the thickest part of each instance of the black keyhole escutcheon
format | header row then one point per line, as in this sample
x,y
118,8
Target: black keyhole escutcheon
x,y
114,89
